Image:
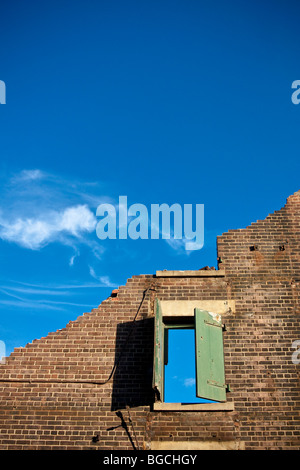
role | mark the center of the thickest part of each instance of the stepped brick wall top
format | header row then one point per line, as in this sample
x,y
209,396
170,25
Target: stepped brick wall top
x,y
89,385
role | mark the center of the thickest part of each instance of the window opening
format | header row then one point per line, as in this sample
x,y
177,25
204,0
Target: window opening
x,y
180,367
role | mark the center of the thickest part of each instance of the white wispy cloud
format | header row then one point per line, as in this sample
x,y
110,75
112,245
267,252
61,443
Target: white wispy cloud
x,y
35,233
190,382
25,303
32,290
72,259
22,290
104,280
38,208
179,246
38,297
57,287
28,175
41,304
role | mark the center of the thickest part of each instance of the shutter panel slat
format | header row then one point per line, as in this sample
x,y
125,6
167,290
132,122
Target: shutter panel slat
x,y
210,371
158,372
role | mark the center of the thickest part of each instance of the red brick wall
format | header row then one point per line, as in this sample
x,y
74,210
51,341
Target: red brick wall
x,y
54,393
264,281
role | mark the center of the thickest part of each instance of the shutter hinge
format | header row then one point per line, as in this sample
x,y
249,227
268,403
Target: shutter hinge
x,y
223,326
213,324
217,384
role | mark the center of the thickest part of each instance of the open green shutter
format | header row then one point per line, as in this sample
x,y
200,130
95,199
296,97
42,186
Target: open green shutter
x,y
210,372
158,367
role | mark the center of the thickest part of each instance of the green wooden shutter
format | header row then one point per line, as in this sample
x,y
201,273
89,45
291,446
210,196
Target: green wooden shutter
x,y
210,372
158,366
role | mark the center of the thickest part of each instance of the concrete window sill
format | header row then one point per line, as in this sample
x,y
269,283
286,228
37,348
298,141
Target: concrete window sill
x,y
158,406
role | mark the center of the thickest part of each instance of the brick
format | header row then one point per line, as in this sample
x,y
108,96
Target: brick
x,y
53,393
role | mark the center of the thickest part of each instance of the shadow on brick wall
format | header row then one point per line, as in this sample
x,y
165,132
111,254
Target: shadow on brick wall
x,y
132,382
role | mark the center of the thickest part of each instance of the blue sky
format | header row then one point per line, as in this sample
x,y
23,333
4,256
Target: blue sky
x,y
180,371
164,102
